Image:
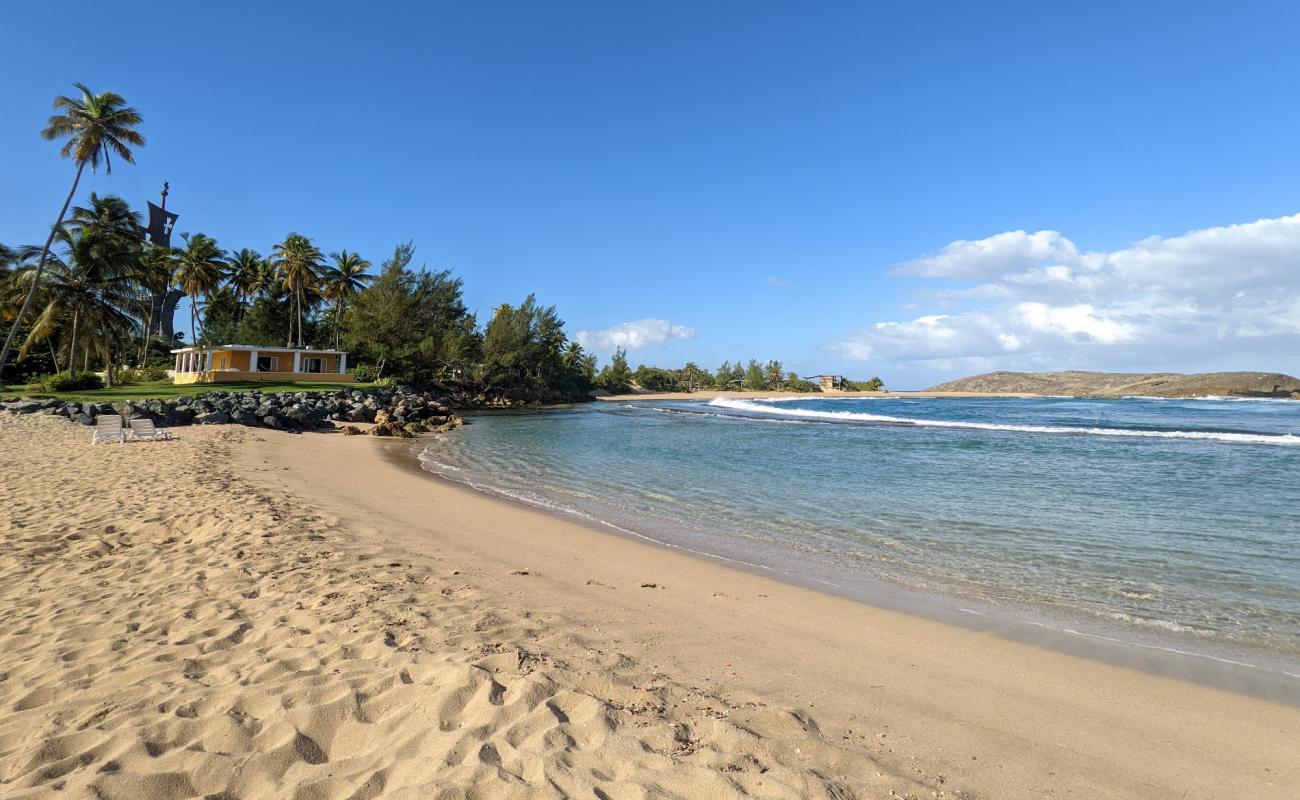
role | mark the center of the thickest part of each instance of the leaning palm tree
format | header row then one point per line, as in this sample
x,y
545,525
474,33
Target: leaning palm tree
x,y
342,282
96,126
299,264
244,274
199,270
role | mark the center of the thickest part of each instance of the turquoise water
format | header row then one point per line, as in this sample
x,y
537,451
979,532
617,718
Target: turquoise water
x,y
1173,521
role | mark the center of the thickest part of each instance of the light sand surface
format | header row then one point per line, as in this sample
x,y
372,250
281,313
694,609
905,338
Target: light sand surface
x,y
710,394
252,614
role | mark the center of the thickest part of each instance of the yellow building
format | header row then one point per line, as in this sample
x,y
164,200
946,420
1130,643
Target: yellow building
x,y
230,363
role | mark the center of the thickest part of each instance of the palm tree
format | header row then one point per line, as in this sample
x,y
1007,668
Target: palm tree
x,y
244,270
12,261
267,279
199,270
774,374
299,263
109,215
342,282
90,291
96,126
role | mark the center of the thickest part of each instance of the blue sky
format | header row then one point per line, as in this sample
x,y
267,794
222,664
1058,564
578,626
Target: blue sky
x,y
838,185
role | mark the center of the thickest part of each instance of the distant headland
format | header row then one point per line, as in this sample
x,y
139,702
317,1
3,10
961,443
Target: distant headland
x,y
1120,384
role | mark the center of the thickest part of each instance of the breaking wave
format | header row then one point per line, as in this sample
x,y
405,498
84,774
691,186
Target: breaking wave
x,y
755,407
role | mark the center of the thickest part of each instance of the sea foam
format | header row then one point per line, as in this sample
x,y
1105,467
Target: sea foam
x,y
756,407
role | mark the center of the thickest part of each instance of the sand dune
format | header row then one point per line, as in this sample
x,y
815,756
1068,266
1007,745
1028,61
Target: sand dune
x,y
245,614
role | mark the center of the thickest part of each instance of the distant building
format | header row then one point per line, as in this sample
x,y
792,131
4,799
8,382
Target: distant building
x,y
229,363
828,383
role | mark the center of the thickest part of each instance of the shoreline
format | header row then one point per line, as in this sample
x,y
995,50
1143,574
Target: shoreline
x,y
709,394
1068,634
1008,688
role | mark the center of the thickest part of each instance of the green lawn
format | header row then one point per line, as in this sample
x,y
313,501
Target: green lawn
x,y
165,389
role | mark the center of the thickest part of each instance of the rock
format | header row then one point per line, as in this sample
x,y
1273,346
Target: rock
x,y
391,429
84,419
212,418
350,430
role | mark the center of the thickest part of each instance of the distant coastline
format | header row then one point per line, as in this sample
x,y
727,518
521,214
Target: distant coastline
x,y
1122,384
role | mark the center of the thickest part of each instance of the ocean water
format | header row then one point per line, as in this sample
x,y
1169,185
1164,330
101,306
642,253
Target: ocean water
x,y
1173,522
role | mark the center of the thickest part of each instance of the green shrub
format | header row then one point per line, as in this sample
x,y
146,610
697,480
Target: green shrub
x,y
793,383
73,382
385,383
873,385
364,373
145,375
654,379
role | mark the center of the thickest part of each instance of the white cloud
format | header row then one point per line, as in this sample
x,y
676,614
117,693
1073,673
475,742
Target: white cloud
x,y
1213,298
780,283
992,256
633,335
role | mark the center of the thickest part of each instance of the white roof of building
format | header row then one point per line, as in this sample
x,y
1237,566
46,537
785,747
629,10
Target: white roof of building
x,y
266,348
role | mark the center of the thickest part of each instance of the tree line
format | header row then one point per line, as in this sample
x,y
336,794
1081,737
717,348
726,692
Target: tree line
x,y
618,377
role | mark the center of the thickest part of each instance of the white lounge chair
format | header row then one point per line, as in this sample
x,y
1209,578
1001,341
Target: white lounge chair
x,y
108,428
143,428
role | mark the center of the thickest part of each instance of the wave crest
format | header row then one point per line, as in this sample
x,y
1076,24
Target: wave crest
x,y
1282,439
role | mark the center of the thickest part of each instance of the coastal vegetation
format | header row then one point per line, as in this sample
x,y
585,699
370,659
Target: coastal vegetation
x,y
752,376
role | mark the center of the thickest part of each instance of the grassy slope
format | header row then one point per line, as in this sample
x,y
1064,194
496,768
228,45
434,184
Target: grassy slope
x,y
165,389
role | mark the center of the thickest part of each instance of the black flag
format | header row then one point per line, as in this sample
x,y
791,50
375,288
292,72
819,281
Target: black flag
x,y
161,222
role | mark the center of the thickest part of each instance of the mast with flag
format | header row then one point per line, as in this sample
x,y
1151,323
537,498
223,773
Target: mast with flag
x,y
162,304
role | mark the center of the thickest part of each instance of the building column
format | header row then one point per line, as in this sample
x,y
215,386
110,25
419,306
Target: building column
x,y
176,365
252,361
297,360
343,363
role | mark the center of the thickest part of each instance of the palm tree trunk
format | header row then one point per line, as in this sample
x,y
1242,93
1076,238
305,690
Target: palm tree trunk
x,y
144,340
108,365
72,344
338,321
40,268
300,321
54,357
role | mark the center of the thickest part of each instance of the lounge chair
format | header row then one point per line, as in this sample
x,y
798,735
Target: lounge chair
x,y
108,428
143,428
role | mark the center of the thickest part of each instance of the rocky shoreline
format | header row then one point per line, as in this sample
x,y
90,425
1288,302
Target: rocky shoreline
x,y
400,412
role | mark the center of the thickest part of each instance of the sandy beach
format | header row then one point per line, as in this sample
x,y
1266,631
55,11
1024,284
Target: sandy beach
x,y
244,614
